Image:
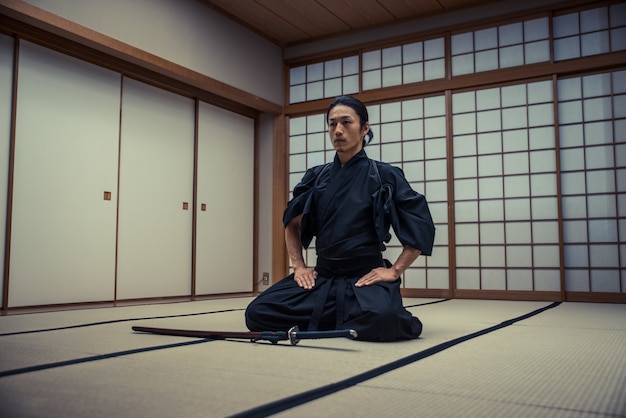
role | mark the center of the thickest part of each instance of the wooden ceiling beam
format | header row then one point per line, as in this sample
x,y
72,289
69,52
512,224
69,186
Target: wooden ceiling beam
x,y
290,22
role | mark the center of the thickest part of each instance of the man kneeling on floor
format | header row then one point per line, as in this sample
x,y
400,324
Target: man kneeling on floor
x,y
348,206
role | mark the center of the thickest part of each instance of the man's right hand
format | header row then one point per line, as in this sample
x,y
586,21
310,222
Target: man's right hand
x,y
305,277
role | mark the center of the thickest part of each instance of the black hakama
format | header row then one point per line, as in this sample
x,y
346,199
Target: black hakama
x,y
349,211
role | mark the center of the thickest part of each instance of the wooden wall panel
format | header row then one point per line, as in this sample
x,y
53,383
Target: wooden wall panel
x,y
6,95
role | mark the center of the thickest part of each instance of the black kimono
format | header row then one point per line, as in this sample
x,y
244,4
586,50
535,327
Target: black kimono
x,y
349,210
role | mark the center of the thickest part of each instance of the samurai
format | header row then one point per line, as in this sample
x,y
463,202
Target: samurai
x,y
349,207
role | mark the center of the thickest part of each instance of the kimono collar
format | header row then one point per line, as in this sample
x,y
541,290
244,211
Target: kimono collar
x,y
357,157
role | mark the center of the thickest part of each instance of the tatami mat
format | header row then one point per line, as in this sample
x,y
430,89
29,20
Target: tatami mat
x,y
566,360
569,361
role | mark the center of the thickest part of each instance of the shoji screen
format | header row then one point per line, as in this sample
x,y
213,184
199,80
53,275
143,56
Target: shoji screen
x,y
404,64
505,193
592,121
411,134
589,32
225,206
324,79
63,230
156,193
501,46
308,146
6,80
537,181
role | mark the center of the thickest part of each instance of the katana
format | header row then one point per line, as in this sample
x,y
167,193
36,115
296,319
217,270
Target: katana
x,y
294,335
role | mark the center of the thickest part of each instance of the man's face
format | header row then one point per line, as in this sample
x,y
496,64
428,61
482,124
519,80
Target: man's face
x,y
346,132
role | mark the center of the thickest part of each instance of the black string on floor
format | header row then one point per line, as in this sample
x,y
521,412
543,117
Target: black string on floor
x,y
98,357
302,398
115,321
427,303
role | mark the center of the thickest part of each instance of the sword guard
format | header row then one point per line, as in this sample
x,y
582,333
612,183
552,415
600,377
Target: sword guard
x,y
293,335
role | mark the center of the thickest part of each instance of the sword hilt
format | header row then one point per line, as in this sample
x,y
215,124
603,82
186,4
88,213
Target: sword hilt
x,y
295,335
272,336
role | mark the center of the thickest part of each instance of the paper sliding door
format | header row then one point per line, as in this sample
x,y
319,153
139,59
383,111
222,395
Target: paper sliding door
x,y
224,251
63,228
156,192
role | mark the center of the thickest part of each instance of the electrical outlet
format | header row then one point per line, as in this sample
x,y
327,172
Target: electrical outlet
x,y
266,278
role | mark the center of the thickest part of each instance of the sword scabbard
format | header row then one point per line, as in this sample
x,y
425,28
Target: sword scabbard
x,y
294,335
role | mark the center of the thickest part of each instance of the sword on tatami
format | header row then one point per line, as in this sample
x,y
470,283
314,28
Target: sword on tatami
x,y
293,335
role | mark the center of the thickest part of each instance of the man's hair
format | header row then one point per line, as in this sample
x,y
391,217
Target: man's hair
x,y
358,107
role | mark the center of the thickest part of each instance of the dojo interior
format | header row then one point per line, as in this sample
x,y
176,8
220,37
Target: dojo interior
x,y
148,149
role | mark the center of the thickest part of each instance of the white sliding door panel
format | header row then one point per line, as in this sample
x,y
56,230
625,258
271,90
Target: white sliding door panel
x,y
6,84
224,244
156,178
63,230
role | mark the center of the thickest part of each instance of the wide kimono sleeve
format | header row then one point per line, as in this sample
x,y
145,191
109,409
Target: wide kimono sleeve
x,y
407,212
302,203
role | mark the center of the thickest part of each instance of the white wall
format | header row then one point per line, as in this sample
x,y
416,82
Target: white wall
x,y
187,33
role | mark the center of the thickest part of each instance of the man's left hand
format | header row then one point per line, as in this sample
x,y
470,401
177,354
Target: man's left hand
x,y
380,274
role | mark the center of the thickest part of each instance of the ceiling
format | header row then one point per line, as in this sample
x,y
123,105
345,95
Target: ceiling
x,y
292,22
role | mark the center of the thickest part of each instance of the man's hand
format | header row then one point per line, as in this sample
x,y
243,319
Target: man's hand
x,y
380,274
383,274
305,277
